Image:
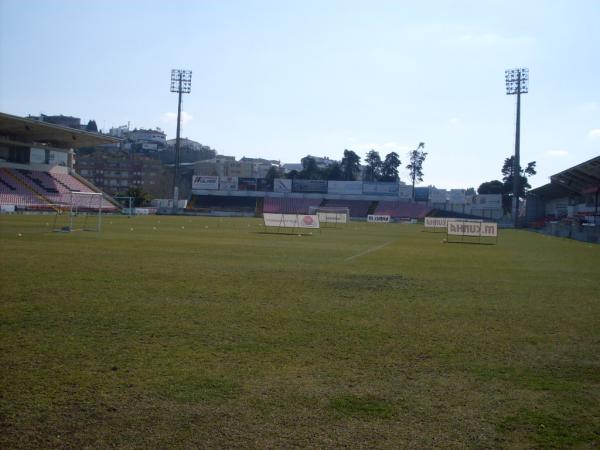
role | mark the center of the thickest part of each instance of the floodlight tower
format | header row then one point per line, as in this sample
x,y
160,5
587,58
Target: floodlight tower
x,y
181,82
517,83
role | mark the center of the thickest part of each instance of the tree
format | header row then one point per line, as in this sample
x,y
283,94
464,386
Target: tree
x,y
350,165
508,177
470,192
310,170
91,126
334,172
140,197
293,174
272,173
491,187
373,167
415,167
389,170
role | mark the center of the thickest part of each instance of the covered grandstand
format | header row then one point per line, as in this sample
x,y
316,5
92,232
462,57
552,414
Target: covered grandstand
x,y
36,166
568,206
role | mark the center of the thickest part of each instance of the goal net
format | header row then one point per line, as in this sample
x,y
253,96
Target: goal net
x,y
331,216
83,212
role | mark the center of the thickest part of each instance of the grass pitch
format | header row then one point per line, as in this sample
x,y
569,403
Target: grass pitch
x,y
164,332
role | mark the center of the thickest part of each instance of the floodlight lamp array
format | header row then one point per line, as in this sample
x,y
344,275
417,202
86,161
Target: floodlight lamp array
x,y
181,80
517,81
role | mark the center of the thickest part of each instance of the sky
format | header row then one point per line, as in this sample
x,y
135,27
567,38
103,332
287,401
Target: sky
x,y
283,79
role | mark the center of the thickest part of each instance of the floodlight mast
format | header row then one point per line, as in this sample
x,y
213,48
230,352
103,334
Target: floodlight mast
x,y
181,82
517,83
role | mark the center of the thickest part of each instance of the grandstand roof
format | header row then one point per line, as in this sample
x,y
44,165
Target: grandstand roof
x,y
550,190
582,178
33,131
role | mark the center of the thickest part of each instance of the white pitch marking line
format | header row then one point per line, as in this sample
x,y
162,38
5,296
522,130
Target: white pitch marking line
x,y
350,258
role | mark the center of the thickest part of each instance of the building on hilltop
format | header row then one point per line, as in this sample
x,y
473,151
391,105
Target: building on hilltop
x,y
117,172
227,166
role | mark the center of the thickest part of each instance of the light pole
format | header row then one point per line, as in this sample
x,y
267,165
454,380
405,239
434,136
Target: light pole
x,y
517,83
181,82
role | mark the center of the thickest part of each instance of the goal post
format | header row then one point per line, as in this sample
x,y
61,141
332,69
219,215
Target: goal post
x,y
82,213
331,216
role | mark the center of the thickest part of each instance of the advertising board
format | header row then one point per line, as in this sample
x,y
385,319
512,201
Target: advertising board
x,y
331,217
247,184
317,186
344,187
436,222
475,229
405,192
291,220
489,201
457,196
437,195
228,183
205,182
378,218
282,185
380,188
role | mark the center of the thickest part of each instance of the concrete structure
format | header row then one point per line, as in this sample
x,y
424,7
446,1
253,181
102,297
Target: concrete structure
x,y
568,206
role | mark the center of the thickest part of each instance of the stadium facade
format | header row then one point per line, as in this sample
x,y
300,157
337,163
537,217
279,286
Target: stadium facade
x,y
245,195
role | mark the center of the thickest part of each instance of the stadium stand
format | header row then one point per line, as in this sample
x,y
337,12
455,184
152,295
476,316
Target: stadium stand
x,y
46,181
47,189
397,209
14,193
568,206
290,205
358,208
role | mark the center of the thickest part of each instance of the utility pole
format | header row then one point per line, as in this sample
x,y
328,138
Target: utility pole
x,y
517,83
181,82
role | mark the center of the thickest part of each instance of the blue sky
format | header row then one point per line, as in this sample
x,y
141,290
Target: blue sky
x,y
280,80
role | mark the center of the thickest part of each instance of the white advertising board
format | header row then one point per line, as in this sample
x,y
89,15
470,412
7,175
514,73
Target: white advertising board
x,y
7,208
228,183
205,182
476,229
437,195
436,222
405,192
291,220
457,196
487,201
282,185
330,217
442,222
378,218
345,187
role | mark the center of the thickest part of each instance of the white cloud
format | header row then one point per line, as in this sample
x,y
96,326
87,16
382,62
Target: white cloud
x,y
171,118
594,134
557,153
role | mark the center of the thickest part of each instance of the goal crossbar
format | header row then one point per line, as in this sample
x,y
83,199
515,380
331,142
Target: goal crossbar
x,y
82,213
